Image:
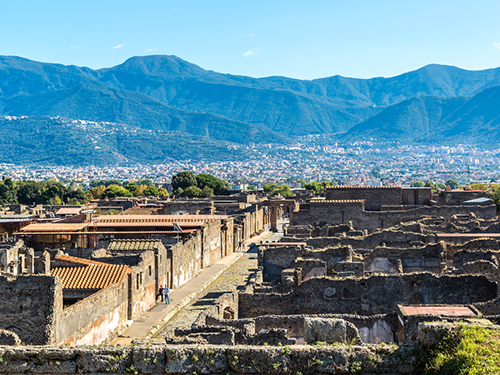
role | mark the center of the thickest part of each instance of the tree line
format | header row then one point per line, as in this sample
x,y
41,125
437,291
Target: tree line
x,y
39,192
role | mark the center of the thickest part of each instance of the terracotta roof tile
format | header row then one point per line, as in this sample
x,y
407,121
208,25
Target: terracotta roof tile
x,y
134,245
93,274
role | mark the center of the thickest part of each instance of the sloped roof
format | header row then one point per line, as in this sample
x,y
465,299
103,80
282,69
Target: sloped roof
x,y
93,275
134,245
76,260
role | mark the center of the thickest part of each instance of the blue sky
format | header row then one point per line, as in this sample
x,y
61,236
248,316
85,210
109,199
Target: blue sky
x,y
300,39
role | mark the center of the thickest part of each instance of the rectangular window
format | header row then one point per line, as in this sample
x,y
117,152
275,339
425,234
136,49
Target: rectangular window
x,y
138,280
149,270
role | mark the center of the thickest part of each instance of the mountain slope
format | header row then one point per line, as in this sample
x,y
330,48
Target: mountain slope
x,y
431,119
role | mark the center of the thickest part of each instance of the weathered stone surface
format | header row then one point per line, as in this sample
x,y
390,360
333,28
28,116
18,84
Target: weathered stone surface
x,y
325,330
259,360
149,360
106,360
8,338
430,333
200,360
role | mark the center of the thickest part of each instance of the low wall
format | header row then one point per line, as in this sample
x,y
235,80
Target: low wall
x,y
209,359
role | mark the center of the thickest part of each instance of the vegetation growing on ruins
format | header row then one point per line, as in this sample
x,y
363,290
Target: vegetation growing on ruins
x,y
469,350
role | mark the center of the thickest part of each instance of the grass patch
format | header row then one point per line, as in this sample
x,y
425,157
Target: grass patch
x,y
469,351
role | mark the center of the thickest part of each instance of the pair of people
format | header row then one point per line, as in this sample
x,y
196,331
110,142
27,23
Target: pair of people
x,y
164,294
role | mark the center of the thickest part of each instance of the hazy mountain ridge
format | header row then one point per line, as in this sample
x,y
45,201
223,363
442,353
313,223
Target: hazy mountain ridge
x,y
168,94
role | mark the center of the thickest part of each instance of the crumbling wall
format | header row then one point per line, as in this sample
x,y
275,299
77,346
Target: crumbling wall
x,y
368,296
334,213
387,237
274,259
30,307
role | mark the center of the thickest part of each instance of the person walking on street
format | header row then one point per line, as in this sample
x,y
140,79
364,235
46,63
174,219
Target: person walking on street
x,y
166,292
160,293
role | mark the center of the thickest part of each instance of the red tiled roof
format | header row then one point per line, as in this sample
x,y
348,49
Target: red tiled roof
x,y
76,260
93,274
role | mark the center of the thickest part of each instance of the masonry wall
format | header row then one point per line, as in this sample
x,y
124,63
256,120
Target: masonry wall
x,y
374,197
186,260
93,319
30,306
335,213
210,359
212,248
368,296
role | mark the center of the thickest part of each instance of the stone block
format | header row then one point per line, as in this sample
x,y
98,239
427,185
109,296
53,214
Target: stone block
x,y
325,330
259,360
104,360
149,360
430,333
195,359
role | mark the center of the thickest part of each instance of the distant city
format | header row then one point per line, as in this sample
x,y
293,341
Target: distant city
x,y
354,163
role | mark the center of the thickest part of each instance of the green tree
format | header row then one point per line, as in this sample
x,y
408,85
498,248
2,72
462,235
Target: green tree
x,y
183,180
418,183
151,191
113,191
251,188
145,181
453,184
8,191
375,172
220,187
132,187
207,192
192,192
29,192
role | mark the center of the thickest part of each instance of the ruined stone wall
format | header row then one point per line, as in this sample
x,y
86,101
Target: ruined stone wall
x,y
275,259
212,247
210,359
30,306
390,237
368,296
335,213
374,196
186,260
95,318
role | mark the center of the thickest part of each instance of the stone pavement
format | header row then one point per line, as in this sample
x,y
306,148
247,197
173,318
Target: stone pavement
x,y
154,319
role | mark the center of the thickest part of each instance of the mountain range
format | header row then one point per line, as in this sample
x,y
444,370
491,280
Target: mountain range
x,y
168,95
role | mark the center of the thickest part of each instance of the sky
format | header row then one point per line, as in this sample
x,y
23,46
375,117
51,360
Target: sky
x,y
258,38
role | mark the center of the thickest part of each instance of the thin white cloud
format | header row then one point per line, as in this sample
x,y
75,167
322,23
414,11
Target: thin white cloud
x,y
118,46
497,45
75,47
251,35
151,50
250,52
